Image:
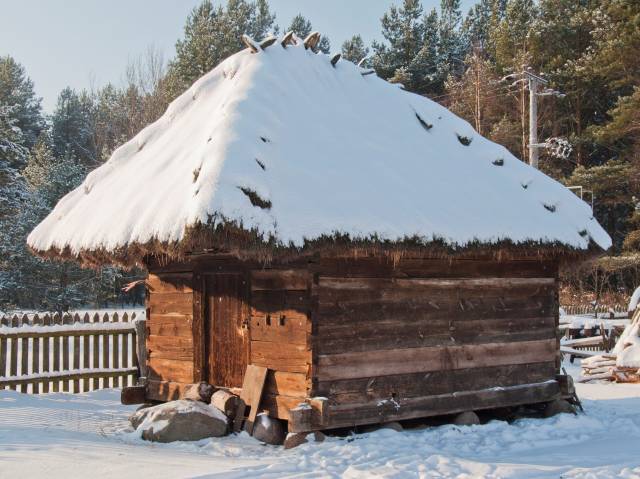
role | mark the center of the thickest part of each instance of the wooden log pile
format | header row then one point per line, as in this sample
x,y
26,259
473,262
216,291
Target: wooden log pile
x,y
607,366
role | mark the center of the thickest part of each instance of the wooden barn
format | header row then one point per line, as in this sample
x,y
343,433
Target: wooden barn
x,y
377,255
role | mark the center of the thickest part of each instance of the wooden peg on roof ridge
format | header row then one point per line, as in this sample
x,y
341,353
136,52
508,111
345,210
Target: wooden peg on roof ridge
x,y
288,40
312,41
267,42
334,59
249,43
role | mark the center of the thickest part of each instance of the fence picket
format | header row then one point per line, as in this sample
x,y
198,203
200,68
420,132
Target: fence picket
x,y
46,321
35,356
76,362
95,360
13,360
65,361
4,354
125,356
105,353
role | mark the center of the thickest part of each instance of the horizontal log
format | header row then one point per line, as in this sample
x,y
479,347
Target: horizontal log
x,y
166,303
291,358
373,335
171,324
278,406
357,306
171,370
133,395
432,267
167,347
278,300
280,327
432,283
170,283
433,383
286,384
415,360
348,415
274,279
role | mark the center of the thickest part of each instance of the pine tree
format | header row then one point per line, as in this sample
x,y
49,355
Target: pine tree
x,y
451,45
354,49
481,19
403,30
17,94
20,123
302,28
72,127
211,34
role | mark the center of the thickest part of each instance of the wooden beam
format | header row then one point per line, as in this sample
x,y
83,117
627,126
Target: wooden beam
x,y
414,360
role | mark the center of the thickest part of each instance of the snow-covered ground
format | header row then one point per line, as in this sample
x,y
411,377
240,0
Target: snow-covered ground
x,y
86,435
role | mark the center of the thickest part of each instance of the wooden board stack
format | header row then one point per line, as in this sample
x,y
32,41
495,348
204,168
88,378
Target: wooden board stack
x,y
605,366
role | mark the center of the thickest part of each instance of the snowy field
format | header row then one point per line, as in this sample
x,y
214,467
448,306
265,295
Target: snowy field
x,y
66,436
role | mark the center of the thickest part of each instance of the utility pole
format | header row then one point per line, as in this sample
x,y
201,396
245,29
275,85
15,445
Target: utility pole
x,y
533,81
534,146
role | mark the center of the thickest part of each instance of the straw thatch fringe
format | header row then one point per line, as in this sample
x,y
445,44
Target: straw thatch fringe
x,y
221,236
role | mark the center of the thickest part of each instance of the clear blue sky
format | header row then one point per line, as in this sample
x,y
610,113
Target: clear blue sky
x,y
78,43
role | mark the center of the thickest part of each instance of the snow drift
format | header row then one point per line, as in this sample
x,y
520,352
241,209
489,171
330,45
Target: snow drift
x,y
287,143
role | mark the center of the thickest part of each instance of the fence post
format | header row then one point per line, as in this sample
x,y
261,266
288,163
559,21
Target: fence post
x,y
141,347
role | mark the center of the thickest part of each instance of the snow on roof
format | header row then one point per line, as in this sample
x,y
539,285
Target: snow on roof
x,y
286,142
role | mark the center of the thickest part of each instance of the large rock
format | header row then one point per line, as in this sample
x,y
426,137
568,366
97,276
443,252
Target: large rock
x,y
268,430
183,420
467,418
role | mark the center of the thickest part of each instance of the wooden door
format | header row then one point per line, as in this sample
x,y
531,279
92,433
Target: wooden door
x,y
226,328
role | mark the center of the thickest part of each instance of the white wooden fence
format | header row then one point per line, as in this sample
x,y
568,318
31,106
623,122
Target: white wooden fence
x,y
73,353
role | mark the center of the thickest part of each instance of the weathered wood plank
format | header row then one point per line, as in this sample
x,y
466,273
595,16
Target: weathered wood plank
x,y
170,283
281,326
278,279
164,303
252,389
373,335
165,347
171,325
171,370
391,303
377,411
198,333
165,390
413,360
291,358
278,405
432,267
281,383
431,283
227,328
66,377
279,300
402,386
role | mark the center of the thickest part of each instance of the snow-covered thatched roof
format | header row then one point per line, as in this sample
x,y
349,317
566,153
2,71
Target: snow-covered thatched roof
x,y
290,145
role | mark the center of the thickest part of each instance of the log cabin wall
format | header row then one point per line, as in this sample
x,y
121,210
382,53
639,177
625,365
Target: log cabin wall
x,y
396,341
277,325
170,349
280,330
